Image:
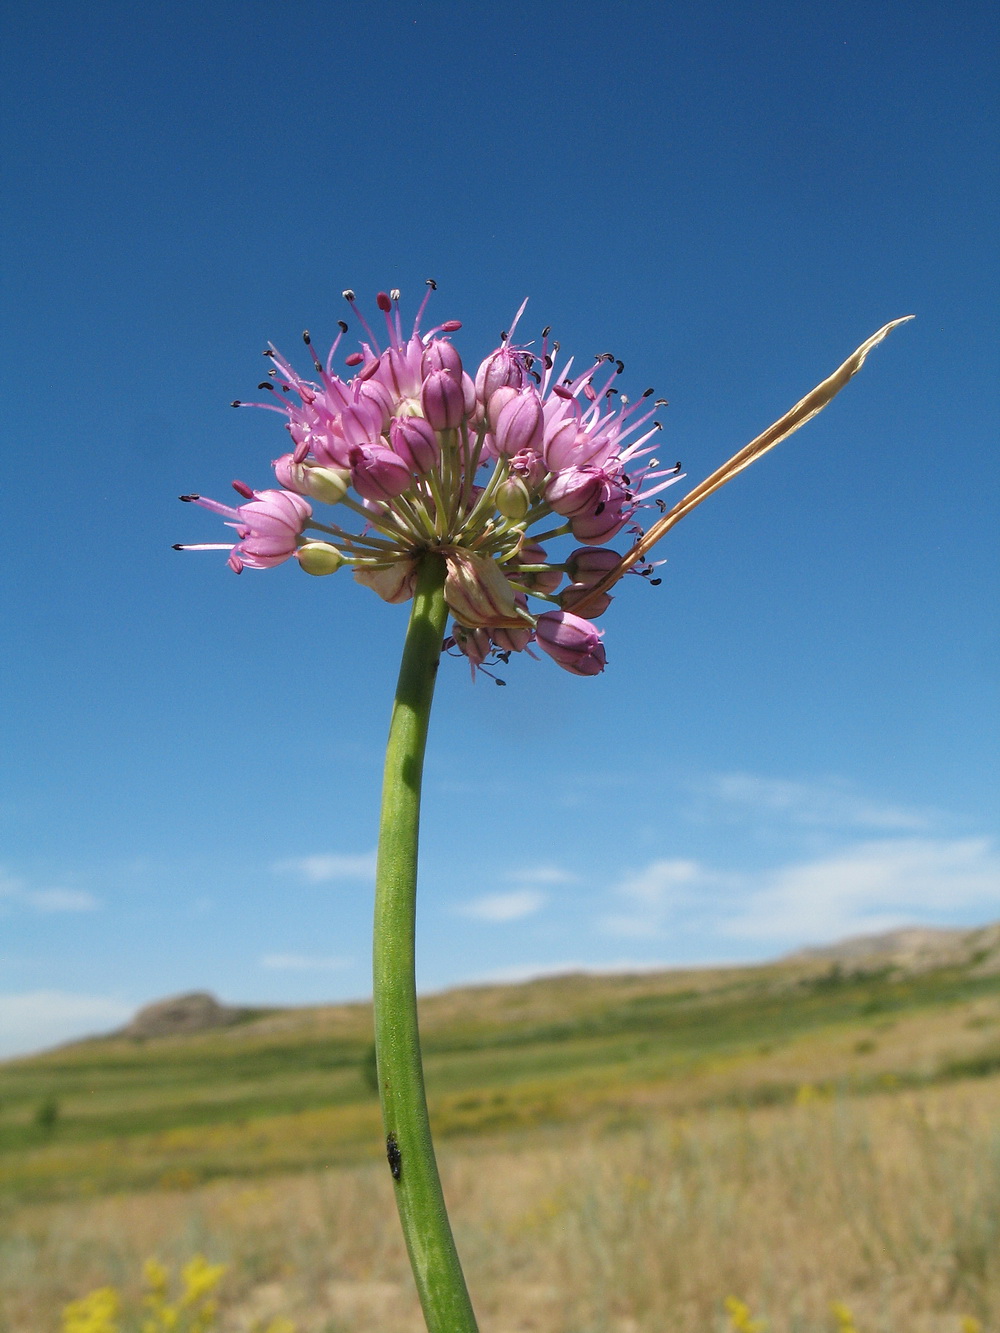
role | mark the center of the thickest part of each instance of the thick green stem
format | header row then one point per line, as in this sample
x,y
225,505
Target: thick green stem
x,y
436,1268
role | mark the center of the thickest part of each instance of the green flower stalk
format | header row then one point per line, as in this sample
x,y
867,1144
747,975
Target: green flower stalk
x,y
409,1149
454,482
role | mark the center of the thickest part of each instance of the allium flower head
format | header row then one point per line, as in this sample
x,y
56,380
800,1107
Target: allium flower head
x,y
415,456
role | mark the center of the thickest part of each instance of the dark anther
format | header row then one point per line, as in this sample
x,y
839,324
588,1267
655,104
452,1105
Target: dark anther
x,y
432,284
341,326
503,335
286,388
188,498
661,506
548,362
647,393
661,402
535,376
177,547
393,1156
306,337
599,510
236,403
658,425
655,583
266,384
621,366
555,348
268,351
498,681
627,480
393,293
547,330
677,466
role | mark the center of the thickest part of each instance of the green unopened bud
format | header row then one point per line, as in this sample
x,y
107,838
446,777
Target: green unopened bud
x,y
513,498
327,484
319,558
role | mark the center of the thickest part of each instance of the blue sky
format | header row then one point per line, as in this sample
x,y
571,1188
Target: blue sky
x,y
795,738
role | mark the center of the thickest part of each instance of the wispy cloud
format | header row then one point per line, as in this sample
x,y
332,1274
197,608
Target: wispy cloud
x,y
326,866
301,962
41,1018
14,890
829,803
500,907
872,886
864,888
540,874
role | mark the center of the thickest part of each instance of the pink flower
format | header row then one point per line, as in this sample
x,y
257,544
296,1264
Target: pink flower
x,y
572,642
268,527
378,473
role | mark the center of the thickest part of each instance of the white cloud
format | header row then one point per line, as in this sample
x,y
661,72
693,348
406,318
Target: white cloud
x,y
657,893
46,900
827,803
862,889
870,887
332,865
36,1019
541,874
300,962
499,907
62,900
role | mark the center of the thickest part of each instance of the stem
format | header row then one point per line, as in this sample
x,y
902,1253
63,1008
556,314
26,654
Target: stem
x,y
433,1257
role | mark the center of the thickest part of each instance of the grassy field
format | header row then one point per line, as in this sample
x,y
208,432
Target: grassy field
x,y
621,1154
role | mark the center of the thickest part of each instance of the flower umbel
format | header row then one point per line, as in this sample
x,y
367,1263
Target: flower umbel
x,y
428,459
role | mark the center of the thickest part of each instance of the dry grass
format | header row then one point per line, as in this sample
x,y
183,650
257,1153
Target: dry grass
x,y
889,1203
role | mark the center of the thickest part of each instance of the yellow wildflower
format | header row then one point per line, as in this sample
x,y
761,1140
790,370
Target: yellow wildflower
x,y
740,1320
97,1312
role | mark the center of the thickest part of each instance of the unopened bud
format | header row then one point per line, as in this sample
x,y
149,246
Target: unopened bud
x,y
512,498
319,558
478,593
443,400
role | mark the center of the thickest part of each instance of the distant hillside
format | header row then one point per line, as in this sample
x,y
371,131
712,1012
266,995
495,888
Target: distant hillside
x,y
191,1089
906,951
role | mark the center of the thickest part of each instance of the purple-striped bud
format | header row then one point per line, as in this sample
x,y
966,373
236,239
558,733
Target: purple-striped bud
x,y
587,565
378,473
474,643
514,640
578,490
440,354
502,368
518,425
415,441
575,595
443,400
560,444
319,558
572,642
395,584
496,403
377,400
538,580
478,594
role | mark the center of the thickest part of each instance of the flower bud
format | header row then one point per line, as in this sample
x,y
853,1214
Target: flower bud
x,y
497,402
319,558
415,442
538,580
477,592
512,498
361,423
502,368
577,595
440,354
474,643
518,424
378,473
572,642
395,584
443,400
587,565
